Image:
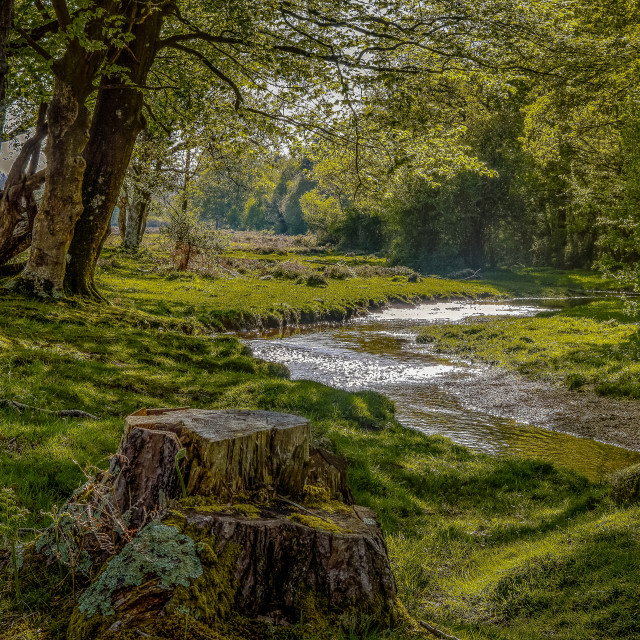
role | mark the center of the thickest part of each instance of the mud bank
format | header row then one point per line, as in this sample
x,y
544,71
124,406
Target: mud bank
x,y
581,413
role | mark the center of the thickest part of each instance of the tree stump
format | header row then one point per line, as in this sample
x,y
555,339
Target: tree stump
x,y
233,451
267,527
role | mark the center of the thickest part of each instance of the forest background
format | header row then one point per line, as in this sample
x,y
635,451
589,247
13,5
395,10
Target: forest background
x,y
446,136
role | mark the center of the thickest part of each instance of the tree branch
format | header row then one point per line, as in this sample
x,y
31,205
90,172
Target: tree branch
x,y
62,13
33,44
215,71
41,8
197,35
64,413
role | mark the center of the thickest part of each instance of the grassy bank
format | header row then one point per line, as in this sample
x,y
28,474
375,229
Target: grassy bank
x,y
481,547
545,282
593,346
254,286
485,547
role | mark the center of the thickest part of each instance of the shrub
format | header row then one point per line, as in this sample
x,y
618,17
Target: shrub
x,y
289,270
190,237
316,280
338,272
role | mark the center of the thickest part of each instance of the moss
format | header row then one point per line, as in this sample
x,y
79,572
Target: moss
x,y
357,620
316,523
319,497
210,597
316,493
625,485
83,628
202,503
248,510
209,504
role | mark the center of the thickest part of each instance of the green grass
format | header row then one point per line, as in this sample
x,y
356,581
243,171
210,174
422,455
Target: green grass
x,y
548,282
481,547
240,297
594,346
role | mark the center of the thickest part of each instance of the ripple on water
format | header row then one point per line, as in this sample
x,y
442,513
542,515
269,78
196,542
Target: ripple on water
x,y
379,352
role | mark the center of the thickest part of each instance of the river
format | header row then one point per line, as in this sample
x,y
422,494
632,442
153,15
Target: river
x,y
379,352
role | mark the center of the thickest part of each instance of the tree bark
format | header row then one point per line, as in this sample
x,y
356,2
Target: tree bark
x,y
116,123
146,475
62,201
115,126
136,221
18,207
123,205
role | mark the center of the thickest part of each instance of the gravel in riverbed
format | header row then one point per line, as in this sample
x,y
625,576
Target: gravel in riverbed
x,y
582,413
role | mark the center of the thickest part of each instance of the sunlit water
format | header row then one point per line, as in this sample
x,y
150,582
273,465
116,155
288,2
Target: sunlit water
x,y
380,352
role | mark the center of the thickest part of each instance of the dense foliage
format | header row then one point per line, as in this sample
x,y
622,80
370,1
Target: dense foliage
x,y
458,134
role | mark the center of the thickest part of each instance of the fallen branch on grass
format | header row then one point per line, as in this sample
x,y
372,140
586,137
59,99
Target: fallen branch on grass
x,y
64,413
436,632
299,506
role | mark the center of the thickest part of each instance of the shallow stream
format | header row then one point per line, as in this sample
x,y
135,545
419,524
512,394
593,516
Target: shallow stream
x,y
379,352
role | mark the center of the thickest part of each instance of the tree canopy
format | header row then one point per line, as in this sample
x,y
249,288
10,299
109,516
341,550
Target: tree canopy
x,y
392,101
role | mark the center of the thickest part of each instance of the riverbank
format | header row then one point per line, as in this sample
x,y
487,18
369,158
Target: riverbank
x,y
254,287
592,347
584,414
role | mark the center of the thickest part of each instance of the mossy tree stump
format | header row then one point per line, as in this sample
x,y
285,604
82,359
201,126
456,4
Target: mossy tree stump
x,y
227,453
272,519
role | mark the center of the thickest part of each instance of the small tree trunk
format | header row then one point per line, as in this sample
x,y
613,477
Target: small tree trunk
x,y
123,206
182,255
185,186
136,221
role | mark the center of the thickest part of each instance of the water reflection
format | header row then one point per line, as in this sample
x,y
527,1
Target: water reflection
x,y
379,352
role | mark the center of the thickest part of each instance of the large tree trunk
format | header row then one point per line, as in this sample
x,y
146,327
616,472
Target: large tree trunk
x,y
114,129
117,121
62,201
6,22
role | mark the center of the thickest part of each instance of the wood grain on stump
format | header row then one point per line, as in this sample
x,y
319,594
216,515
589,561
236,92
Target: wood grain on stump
x,y
234,451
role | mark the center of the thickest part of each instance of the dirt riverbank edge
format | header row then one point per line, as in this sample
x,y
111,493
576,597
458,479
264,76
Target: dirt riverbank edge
x,y
581,413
